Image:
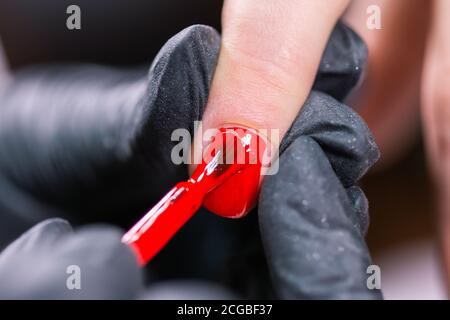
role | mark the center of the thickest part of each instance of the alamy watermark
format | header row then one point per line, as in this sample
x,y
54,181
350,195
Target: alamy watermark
x,y
374,280
73,281
374,17
208,146
73,21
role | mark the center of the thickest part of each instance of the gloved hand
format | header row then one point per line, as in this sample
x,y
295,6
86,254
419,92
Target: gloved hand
x,y
313,216
93,144
51,261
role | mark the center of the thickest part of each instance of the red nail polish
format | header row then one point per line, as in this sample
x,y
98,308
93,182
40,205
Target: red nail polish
x,y
226,183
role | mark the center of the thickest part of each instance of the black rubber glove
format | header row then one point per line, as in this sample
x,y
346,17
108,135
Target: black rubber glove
x,y
343,63
94,143
313,217
50,261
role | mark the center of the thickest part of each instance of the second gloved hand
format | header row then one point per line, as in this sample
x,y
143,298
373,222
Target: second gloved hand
x,y
51,261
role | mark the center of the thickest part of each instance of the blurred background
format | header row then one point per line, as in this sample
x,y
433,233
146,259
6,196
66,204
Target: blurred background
x,y
402,235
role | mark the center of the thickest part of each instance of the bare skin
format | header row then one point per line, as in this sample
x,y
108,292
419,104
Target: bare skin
x,y
269,56
436,115
389,97
409,62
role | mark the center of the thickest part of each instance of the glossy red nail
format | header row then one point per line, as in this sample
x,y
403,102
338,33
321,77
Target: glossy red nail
x,y
226,183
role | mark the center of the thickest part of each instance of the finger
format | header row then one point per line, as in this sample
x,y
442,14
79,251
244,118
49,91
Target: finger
x,y
42,236
389,96
436,118
268,61
104,260
313,247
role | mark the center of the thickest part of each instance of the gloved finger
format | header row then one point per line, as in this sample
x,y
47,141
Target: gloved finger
x,y
51,262
18,211
313,246
42,236
343,63
340,132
